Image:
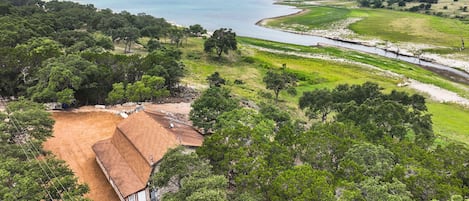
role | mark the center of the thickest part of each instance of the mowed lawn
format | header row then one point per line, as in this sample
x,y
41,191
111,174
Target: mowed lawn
x,y
394,26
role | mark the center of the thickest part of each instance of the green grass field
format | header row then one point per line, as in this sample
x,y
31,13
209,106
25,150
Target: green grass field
x,y
395,66
250,65
317,17
390,25
450,121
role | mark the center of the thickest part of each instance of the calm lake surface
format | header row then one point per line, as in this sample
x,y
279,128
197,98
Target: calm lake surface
x,y
241,16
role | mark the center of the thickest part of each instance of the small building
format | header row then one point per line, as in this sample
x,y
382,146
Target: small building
x,y
139,142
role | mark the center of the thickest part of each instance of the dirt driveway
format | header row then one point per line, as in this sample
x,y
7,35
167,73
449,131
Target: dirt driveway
x,y
74,134
76,131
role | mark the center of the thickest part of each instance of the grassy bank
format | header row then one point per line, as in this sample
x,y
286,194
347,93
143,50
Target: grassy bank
x,y
408,70
250,64
394,26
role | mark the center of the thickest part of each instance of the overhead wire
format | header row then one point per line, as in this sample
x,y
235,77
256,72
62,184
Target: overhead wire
x,y
36,151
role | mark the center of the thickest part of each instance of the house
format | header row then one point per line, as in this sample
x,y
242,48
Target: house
x,y
139,142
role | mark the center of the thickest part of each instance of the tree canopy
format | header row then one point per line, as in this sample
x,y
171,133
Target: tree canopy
x,y
212,103
23,176
222,41
354,154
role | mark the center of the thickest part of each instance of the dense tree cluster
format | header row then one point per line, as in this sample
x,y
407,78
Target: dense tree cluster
x,y
424,4
58,51
365,145
27,172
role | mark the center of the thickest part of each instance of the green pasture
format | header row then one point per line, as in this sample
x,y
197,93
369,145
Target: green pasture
x,y
250,65
395,66
390,25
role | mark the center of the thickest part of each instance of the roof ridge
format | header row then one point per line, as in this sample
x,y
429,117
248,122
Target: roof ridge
x,y
135,147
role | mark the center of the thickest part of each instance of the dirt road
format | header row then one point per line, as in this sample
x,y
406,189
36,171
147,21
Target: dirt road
x,y
74,134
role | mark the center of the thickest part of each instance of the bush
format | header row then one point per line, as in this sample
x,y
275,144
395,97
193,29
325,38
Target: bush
x,y
153,45
238,82
247,59
265,94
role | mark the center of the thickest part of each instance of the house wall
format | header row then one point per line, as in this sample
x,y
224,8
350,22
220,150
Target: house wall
x,y
109,179
131,155
140,196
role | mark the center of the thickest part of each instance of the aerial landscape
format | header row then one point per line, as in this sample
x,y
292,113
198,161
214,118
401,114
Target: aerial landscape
x,y
347,100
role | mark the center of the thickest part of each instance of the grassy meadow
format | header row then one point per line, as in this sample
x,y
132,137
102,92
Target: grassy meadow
x,y
386,25
249,64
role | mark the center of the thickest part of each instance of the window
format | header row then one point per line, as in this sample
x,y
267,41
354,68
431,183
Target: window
x,y
131,198
142,196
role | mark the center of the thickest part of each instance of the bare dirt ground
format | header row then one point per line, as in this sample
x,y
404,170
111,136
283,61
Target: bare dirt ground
x,y
74,134
77,130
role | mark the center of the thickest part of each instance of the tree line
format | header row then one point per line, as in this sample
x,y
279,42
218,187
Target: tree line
x,y
59,51
424,5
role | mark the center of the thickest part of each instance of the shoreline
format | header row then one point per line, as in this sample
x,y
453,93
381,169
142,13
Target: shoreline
x,y
397,49
263,22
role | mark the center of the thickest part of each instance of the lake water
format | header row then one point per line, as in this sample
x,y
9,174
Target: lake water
x,y
241,16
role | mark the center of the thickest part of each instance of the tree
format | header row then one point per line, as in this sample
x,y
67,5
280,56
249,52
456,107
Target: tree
x,y
373,189
317,102
127,34
191,176
215,80
148,88
197,30
177,34
33,53
324,145
23,175
117,95
60,78
276,114
371,160
40,49
212,103
279,81
383,116
165,63
303,183
153,45
242,148
222,40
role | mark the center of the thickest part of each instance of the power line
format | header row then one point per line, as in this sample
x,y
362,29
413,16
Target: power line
x,y
29,142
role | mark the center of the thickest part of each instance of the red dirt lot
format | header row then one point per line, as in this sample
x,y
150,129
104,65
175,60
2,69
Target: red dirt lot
x,y
74,134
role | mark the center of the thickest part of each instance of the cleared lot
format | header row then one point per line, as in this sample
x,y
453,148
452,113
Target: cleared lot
x,y
76,131
74,134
